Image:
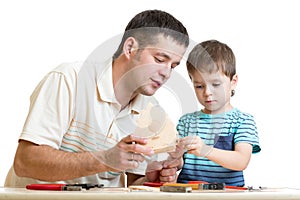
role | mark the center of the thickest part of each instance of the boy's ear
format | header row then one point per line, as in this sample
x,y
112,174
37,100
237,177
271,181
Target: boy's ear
x,y
130,44
234,81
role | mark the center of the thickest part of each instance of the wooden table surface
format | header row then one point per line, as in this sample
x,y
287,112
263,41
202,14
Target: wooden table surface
x,y
126,194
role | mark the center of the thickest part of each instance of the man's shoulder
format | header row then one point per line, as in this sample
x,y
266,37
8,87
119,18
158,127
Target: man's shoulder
x,y
83,68
68,68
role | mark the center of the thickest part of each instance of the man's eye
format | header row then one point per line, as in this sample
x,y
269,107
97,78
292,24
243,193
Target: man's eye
x,y
158,60
173,66
216,84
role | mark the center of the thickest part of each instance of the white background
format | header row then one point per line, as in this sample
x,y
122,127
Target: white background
x,y
36,36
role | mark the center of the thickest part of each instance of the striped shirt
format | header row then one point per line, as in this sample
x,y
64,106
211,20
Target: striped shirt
x,y
222,131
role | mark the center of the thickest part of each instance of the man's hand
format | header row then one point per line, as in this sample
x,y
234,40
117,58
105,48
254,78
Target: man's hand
x,y
164,171
127,154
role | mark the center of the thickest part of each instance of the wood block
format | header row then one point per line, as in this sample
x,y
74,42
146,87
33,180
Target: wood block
x,y
155,125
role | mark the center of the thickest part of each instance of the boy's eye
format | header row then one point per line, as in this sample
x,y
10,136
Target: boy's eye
x,y
216,84
198,86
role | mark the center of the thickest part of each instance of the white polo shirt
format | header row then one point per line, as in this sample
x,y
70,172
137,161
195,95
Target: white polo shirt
x,y
74,109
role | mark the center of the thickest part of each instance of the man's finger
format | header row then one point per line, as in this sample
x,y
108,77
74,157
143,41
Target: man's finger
x,y
134,139
169,179
154,166
136,145
168,172
171,163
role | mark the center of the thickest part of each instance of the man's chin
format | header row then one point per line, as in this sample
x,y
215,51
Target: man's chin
x,y
149,92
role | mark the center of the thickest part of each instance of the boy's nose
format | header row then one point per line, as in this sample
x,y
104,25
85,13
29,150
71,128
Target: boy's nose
x,y
207,91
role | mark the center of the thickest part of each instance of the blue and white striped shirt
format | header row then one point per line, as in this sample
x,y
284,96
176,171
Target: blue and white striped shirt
x,y
222,131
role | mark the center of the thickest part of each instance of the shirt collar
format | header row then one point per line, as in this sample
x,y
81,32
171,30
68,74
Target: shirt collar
x,y
105,84
106,92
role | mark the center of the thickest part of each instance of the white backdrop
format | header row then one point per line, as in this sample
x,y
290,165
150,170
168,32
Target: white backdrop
x,y
36,36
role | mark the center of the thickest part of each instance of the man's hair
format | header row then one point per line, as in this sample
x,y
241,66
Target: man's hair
x,y
147,25
212,56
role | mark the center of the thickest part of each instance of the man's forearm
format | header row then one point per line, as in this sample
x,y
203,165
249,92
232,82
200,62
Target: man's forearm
x,y
48,164
140,181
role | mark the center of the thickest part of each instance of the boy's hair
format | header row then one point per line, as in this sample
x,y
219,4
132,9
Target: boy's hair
x,y
212,56
147,25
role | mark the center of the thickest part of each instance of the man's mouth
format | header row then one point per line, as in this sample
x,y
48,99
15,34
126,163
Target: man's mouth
x,y
156,83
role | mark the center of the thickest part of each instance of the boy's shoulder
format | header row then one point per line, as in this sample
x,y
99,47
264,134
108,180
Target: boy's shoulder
x,y
237,113
190,115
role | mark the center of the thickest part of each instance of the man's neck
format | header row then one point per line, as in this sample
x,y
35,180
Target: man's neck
x,y
121,83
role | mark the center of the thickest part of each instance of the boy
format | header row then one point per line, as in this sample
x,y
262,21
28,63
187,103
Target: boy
x,y
219,139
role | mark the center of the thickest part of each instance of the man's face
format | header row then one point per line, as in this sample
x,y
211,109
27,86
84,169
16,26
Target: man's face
x,y
151,67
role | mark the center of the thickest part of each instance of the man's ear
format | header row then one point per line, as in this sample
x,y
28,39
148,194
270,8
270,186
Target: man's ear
x,y
130,44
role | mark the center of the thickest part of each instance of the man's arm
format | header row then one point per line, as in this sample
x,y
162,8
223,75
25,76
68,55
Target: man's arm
x,y
48,164
45,163
135,179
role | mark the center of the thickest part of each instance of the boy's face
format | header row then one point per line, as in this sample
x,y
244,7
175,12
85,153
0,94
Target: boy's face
x,y
213,90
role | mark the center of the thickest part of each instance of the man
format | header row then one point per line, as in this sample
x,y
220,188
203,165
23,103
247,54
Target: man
x,y
81,118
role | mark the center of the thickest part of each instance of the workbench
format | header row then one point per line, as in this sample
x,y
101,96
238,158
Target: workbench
x,y
125,194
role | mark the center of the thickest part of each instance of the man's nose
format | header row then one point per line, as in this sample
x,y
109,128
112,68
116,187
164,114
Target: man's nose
x,y
166,70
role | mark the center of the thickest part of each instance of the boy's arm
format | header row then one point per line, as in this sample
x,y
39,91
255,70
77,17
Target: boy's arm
x,y
235,160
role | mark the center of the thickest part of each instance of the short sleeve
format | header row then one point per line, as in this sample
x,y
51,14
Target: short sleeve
x,y
247,133
51,109
180,127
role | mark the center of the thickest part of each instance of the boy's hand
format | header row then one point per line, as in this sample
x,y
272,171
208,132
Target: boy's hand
x,y
195,145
